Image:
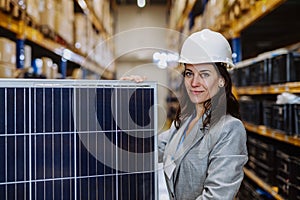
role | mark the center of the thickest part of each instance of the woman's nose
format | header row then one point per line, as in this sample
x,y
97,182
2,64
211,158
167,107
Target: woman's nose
x,y
197,81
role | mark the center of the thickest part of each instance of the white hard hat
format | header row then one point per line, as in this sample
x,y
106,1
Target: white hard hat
x,y
206,46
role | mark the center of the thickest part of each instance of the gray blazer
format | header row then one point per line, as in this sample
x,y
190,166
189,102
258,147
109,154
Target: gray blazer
x,y
208,164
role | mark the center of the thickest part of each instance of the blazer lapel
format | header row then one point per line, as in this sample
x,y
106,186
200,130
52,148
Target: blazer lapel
x,y
177,155
170,151
193,137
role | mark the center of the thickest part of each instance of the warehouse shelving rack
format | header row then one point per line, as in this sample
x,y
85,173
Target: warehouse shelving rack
x,y
272,133
292,87
88,10
189,6
234,26
26,32
262,184
291,140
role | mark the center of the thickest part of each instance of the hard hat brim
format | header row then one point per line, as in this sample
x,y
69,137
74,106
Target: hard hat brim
x,y
184,61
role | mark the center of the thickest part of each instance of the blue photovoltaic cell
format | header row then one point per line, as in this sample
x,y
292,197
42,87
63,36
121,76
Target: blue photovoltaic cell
x,y
77,141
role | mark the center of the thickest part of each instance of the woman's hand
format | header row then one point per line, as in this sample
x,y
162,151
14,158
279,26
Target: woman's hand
x,y
135,78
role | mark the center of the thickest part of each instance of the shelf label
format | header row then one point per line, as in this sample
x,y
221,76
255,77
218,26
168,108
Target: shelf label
x,y
287,88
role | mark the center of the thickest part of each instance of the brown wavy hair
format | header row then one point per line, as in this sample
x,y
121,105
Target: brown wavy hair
x,y
214,105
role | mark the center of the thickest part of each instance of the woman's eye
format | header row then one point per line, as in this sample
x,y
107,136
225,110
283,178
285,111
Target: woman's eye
x,y
204,75
188,74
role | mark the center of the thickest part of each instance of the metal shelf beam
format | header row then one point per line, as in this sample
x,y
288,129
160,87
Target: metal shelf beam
x,y
292,87
274,134
262,184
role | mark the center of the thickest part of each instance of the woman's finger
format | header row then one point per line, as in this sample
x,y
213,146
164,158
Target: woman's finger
x,y
134,78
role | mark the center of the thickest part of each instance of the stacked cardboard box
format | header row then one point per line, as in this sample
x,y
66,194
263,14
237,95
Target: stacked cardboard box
x,y
32,10
64,19
80,35
47,13
98,8
7,57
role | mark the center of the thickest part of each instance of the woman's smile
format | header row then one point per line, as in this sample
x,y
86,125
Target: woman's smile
x,y
197,92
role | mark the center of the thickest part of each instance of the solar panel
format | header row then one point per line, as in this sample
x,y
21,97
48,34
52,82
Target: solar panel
x,y
66,139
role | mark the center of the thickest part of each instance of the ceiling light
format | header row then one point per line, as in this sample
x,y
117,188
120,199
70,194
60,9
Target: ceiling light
x,y
141,3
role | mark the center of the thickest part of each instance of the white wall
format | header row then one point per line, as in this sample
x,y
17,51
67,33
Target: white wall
x,y
130,17
138,29
139,33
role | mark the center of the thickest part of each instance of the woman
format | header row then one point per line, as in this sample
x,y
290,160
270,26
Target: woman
x,y
205,150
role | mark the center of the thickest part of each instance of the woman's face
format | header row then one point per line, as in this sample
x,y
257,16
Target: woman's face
x,y
201,82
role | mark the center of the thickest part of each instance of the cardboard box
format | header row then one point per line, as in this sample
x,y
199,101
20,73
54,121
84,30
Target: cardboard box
x,y
28,56
7,51
32,10
2,4
80,34
7,70
64,28
47,18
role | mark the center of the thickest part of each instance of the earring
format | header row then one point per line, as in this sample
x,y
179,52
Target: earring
x,y
221,84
